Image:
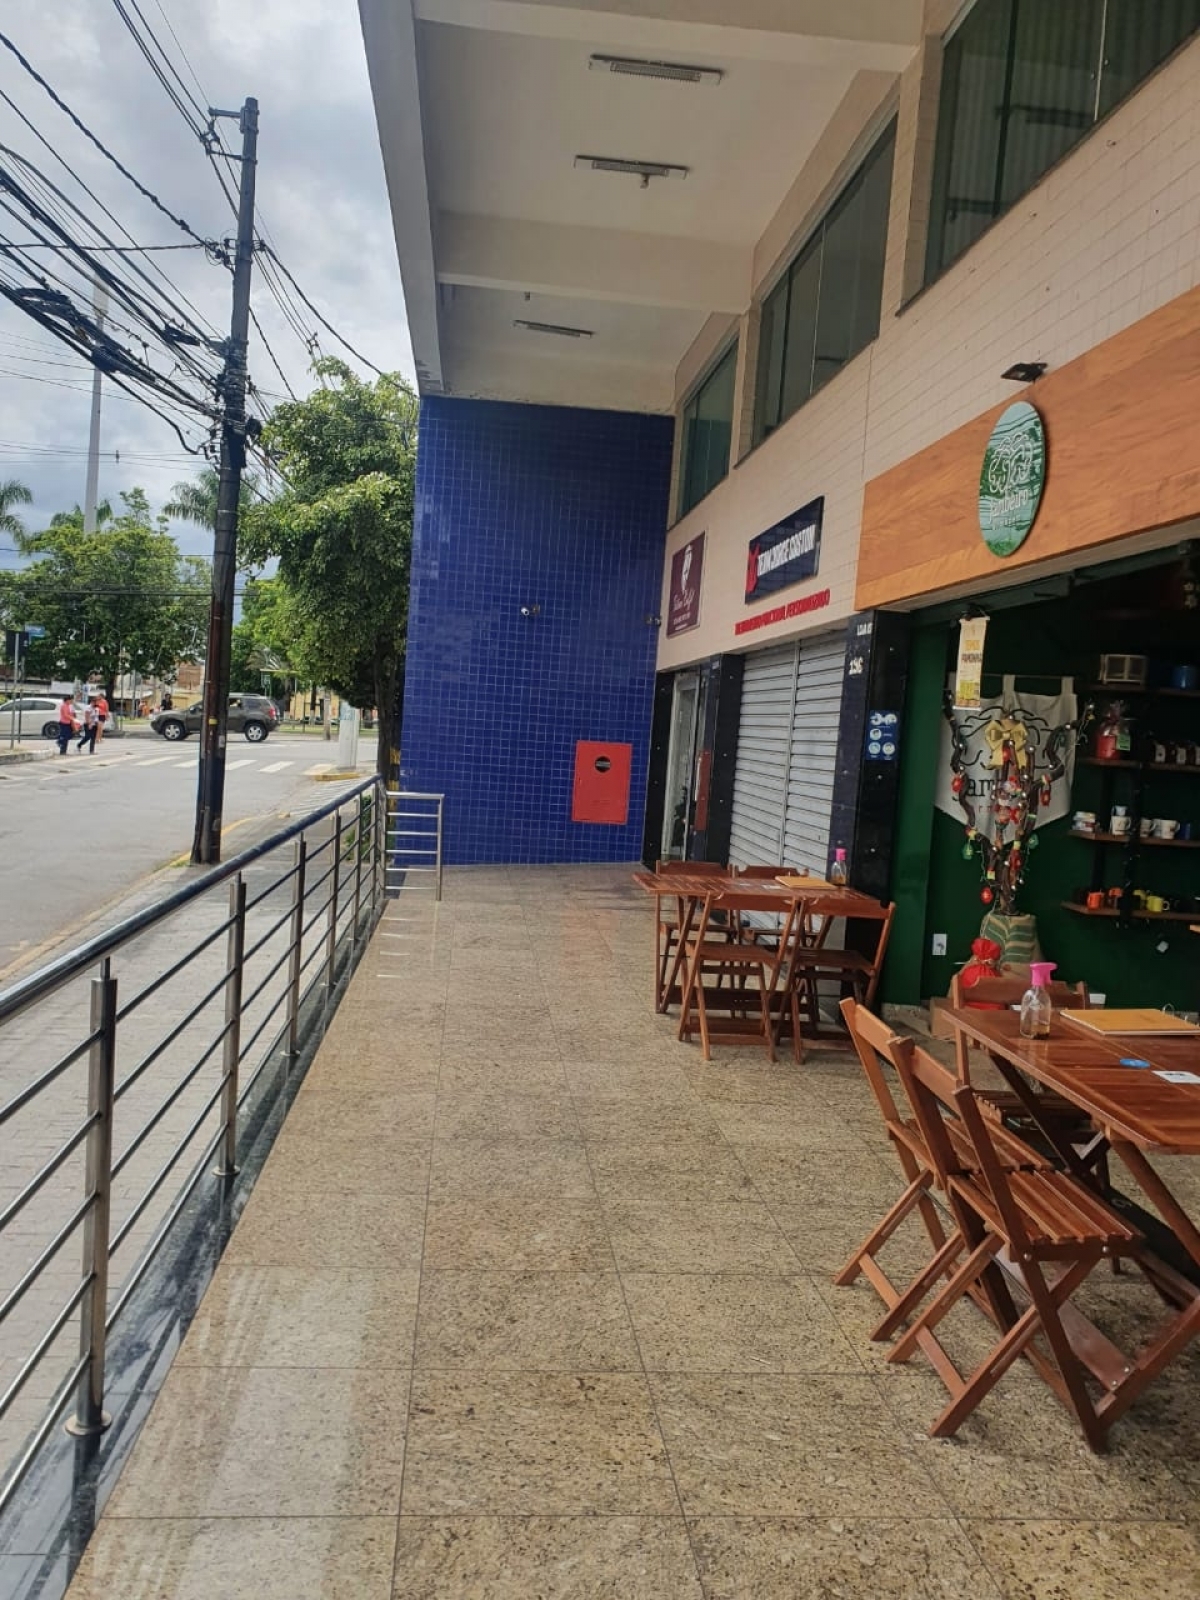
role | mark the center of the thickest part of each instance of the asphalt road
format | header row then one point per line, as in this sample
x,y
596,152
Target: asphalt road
x,y
77,832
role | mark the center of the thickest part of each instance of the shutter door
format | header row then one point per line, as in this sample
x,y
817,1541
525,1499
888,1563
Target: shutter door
x,y
813,760
764,737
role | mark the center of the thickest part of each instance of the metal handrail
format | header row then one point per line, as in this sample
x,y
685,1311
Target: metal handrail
x,y
303,951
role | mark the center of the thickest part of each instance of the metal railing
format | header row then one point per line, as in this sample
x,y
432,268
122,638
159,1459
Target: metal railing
x,y
414,838
130,1059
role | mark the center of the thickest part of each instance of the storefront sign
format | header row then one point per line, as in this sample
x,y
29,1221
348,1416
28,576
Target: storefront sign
x,y
1012,479
794,608
968,675
786,554
683,603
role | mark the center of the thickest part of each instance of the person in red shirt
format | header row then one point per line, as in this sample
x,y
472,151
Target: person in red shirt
x,y
101,705
66,723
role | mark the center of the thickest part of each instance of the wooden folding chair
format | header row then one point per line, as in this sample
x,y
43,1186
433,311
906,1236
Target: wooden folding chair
x,y
1058,1117
713,954
669,917
1036,1219
877,1045
817,962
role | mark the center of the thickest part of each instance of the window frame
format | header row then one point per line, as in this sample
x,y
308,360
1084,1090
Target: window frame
x,y
690,405
771,410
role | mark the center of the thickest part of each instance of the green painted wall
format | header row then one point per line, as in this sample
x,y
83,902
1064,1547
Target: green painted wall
x,y
937,891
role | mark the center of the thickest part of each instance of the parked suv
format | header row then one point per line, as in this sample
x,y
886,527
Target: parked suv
x,y
251,714
30,715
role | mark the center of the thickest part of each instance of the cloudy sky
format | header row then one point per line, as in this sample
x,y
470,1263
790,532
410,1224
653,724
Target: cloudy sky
x,y
321,196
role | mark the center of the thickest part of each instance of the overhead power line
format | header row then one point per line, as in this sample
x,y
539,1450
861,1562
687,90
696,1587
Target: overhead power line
x,y
325,323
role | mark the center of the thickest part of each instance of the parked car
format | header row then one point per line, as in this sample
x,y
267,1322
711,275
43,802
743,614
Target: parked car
x,y
250,714
31,715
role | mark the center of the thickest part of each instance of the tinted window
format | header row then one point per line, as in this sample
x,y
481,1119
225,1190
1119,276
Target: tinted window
x,y
1022,82
708,433
826,309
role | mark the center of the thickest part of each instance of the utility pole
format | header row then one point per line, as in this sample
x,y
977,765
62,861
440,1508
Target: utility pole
x,y
92,489
210,795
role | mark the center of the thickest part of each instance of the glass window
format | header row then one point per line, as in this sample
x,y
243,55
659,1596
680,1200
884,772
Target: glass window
x,y
1023,82
708,433
827,307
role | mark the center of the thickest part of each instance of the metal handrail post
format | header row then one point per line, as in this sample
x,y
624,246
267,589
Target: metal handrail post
x,y
381,844
90,1416
360,844
331,936
297,940
440,807
231,1055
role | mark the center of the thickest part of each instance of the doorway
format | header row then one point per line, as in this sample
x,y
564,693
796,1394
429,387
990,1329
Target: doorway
x,y
679,810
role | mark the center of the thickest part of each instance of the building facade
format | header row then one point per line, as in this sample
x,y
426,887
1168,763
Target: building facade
x,y
833,244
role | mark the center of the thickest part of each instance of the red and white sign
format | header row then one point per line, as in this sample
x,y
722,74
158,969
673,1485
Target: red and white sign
x,y
794,608
683,603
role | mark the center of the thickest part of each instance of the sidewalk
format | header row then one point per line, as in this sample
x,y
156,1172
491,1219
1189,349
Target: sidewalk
x,y
531,1302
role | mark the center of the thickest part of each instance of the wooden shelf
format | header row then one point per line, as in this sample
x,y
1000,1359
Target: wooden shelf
x,y
1170,766
1139,916
1141,839
1099,761
1116,690
1133,766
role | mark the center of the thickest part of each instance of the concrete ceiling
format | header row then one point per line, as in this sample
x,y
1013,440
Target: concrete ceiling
x,y
483,106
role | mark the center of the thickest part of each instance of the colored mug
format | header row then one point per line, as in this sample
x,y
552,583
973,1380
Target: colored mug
x,y
1184,677
1095,900
1155,902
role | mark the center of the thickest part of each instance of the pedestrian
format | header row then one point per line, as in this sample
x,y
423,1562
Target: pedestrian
x,y
91,724
66,723
168,703
102,716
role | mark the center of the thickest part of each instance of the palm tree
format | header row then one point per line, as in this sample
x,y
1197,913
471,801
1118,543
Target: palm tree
x,y
12,494
197,501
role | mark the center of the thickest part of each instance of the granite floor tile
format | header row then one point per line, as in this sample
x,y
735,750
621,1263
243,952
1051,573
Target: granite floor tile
x,y
780,1445
313,1161
1100,1560
535,1444
293,1317
790,1125
727,1237
651,1175
477,1166
755,1558
477,1072
374,1072
325,1229
535,1229
544,1116
638,1122
545,1558
285,1558
735,1322
269,1442
525,1321
359,1114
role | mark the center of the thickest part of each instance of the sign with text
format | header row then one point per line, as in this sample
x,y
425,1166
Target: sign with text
x,y
786,554
968,674
794,608
683,602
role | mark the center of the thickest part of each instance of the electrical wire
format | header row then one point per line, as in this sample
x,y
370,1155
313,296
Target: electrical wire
x,y
325,323
198,128
271,353
147,194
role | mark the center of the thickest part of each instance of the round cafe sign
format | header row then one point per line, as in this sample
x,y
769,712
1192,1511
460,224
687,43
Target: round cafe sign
x,y
1013,476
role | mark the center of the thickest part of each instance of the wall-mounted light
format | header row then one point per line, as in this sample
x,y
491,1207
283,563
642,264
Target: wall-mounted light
x,y
645,170
665,71
559,329
1025,371
652,621
531,611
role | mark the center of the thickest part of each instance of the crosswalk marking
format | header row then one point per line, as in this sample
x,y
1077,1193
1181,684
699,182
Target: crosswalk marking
x,y
277,766
244,762
321,766
190,762
155,761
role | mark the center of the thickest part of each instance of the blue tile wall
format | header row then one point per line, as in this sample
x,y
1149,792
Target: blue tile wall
x,y
523,506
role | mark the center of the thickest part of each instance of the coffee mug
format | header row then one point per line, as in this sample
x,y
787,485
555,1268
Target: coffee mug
x,y
1165,827
1155,902
1146,827
1185,831
1118,826
1184,677
1095,900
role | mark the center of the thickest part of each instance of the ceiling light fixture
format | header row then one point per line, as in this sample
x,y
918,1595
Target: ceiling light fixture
x,y
666,71
645,170
1025,371
557,328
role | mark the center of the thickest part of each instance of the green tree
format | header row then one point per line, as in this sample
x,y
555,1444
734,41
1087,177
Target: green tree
x,y
264,639
197,501
341,531
13,493
122,599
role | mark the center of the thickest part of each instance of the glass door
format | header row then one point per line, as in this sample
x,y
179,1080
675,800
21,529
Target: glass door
x,y
681,767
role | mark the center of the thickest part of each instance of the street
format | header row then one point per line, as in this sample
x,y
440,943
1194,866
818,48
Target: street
x,y
78,831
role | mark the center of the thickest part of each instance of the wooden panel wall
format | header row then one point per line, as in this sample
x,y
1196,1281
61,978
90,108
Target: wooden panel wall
x,y
1123,457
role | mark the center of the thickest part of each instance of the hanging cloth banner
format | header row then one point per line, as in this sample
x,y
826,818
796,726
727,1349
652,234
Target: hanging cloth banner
x,y
968,675
1038,716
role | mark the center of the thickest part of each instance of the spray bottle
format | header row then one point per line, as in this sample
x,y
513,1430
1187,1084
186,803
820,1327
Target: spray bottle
x,y
1036,1009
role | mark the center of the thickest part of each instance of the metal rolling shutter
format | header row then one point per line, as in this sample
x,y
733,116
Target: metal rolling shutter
x,y
813,759
760,782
